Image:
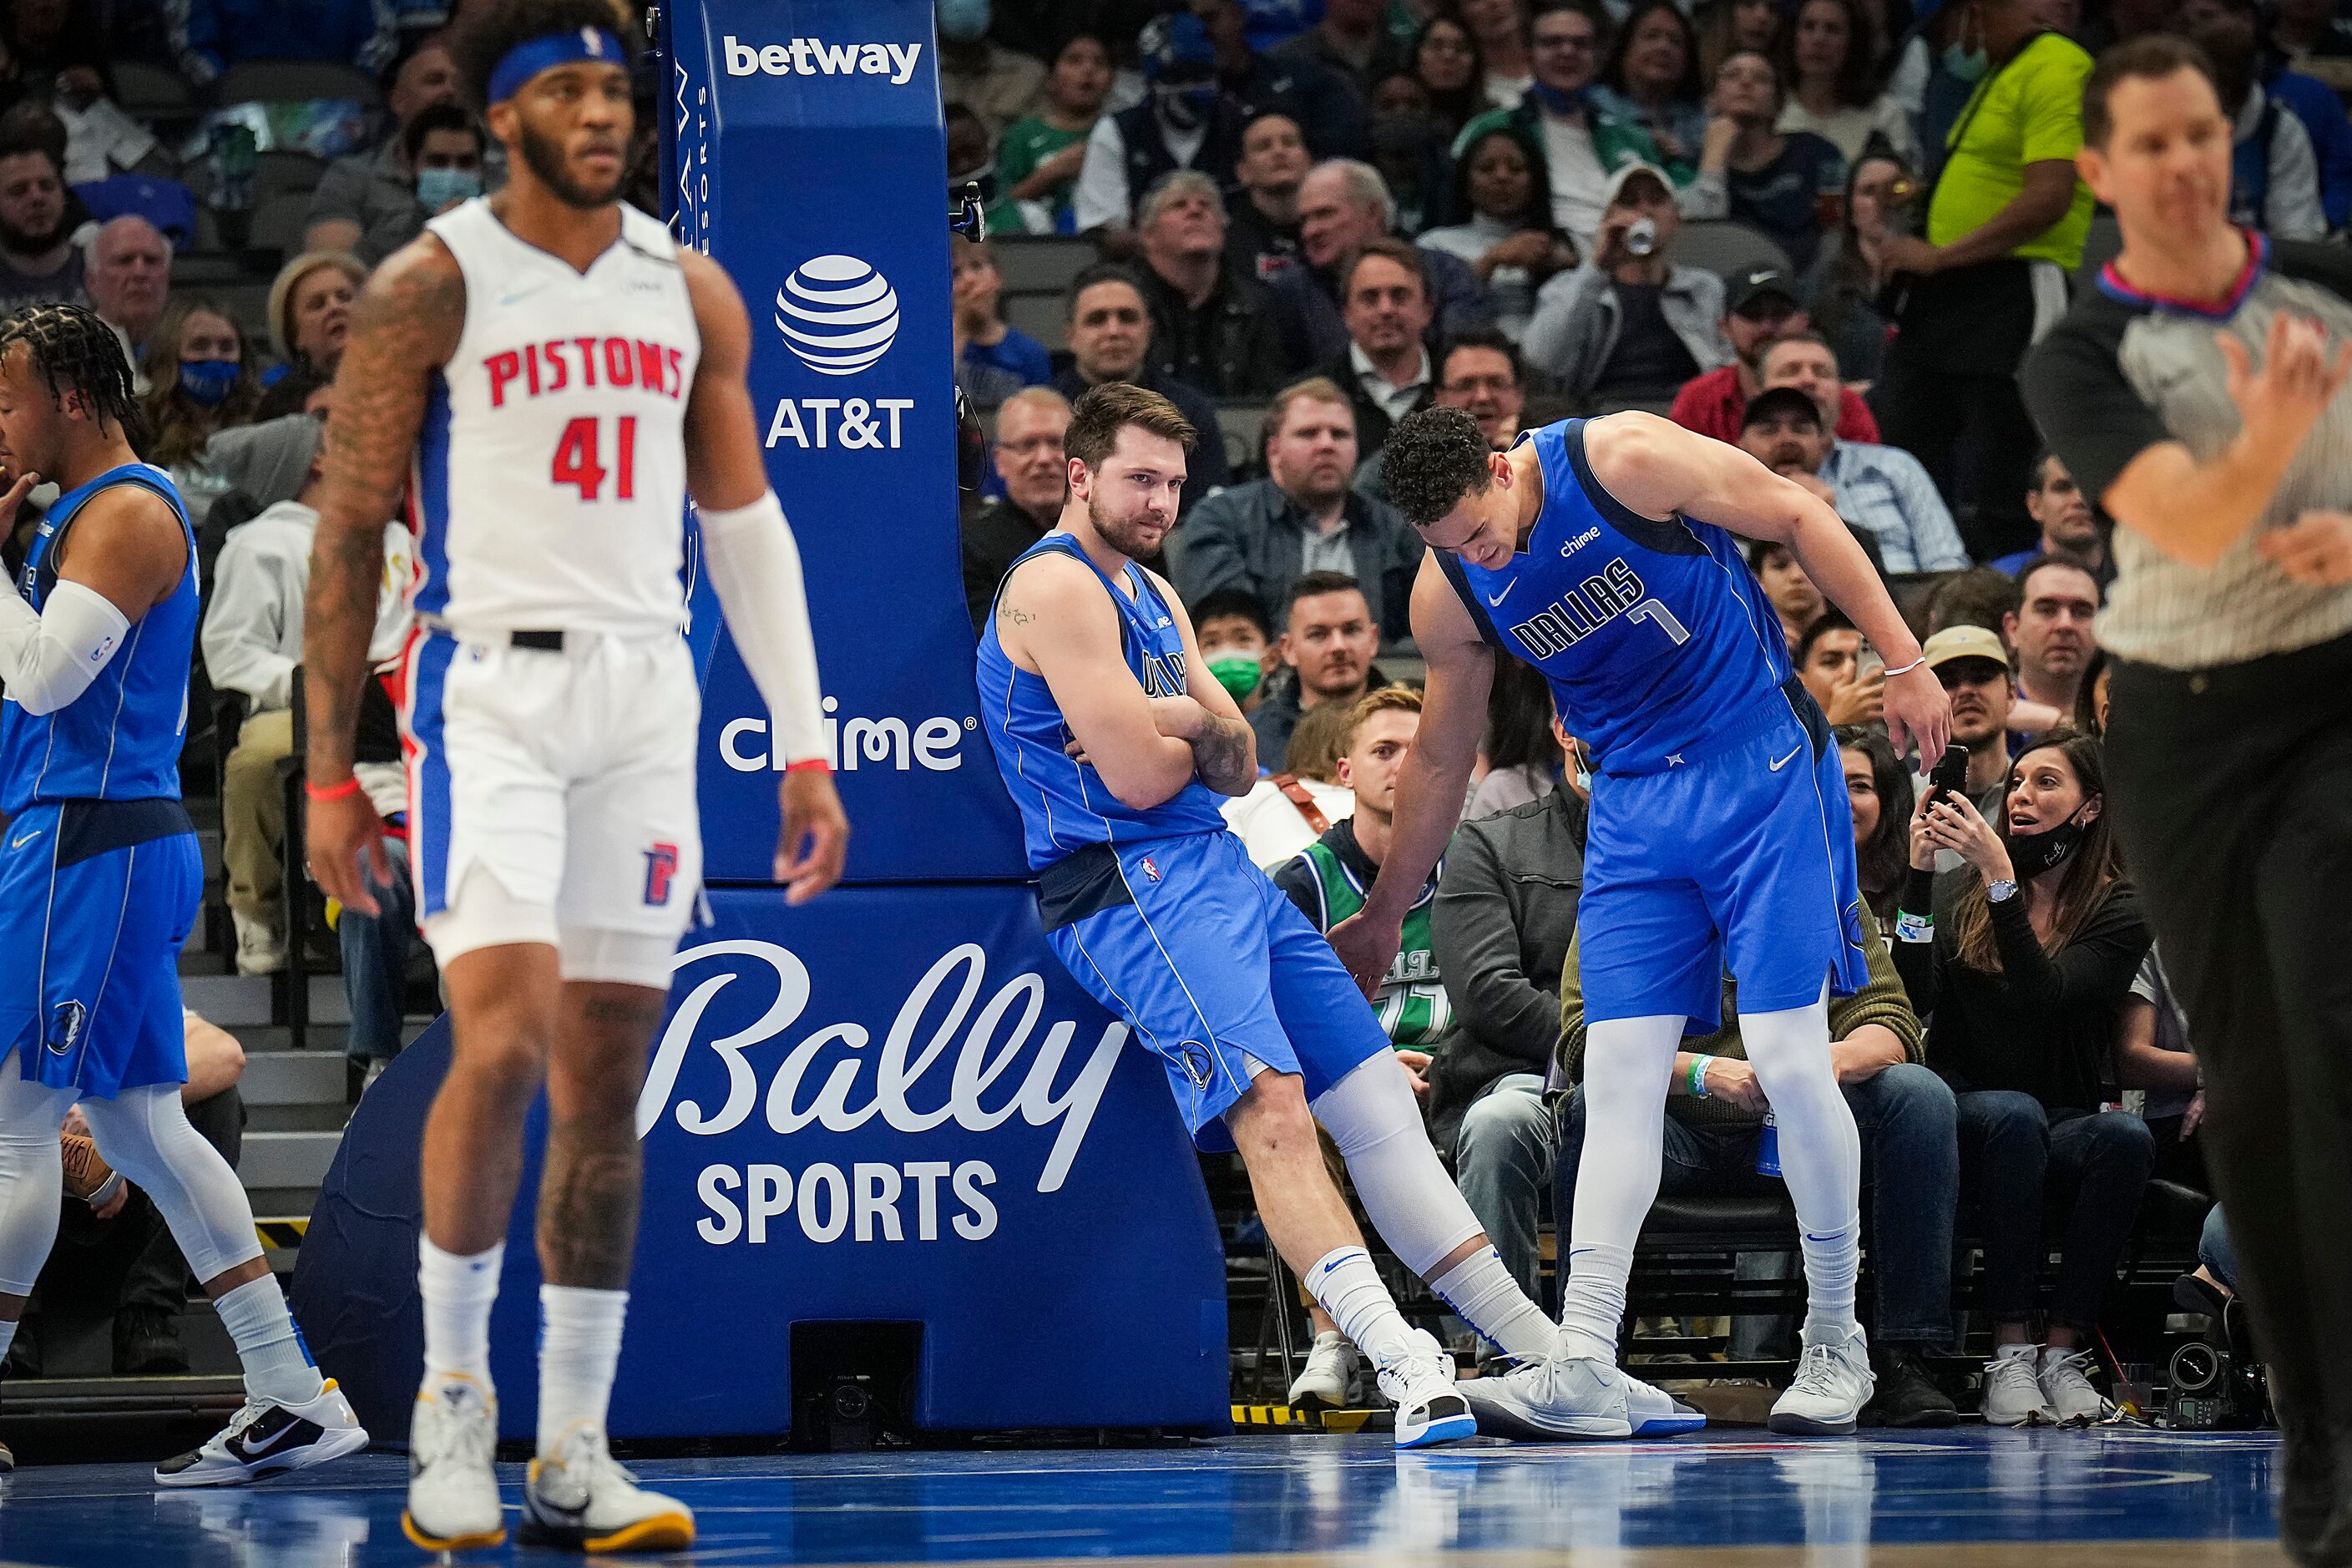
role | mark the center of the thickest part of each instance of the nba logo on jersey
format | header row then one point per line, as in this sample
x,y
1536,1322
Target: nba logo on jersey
x,y
1150,869
661,866
67,1021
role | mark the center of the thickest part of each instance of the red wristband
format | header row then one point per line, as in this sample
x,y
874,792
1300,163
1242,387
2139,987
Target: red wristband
x,y
808,763
343,791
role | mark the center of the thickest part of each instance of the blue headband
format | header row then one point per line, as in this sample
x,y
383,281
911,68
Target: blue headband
x,y
532,56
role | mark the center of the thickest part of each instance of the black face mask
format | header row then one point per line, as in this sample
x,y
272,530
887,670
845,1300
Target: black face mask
x,y
2030,854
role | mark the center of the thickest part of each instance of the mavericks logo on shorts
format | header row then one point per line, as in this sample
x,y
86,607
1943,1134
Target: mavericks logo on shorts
x,y
67,1021
1194,1057
661,869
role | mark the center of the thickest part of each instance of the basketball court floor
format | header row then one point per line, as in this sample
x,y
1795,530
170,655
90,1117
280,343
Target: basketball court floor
x,y
2111,1498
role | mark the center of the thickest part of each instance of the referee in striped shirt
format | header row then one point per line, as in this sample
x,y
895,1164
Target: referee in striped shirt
x,y
2198,394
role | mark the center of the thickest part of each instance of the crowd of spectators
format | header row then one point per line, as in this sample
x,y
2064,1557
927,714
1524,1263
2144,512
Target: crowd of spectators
x,y
1825,231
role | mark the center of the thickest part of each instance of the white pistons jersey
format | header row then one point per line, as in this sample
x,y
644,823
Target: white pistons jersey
x,y
549,489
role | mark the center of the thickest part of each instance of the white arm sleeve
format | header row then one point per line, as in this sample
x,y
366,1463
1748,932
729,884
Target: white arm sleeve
x,y
47,659
755,564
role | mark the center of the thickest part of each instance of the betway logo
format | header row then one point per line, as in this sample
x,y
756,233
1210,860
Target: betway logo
x,y
816,1083
815,56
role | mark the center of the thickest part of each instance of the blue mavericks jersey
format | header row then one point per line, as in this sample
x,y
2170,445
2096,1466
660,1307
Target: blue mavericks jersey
x,y
1655,635
121,739
1065,805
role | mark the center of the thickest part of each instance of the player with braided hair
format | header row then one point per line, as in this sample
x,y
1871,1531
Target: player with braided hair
x,y
99,876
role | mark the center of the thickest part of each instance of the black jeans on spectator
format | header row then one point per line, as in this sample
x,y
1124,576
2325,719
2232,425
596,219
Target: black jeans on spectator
x,y
2232,792
2009,1146
100,1266
1976,441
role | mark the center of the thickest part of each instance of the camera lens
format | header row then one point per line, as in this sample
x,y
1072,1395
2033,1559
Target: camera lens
x,y
2196,1368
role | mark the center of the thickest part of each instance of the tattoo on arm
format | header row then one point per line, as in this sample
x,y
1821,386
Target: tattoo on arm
x,y
1220,755
403,328
1011,616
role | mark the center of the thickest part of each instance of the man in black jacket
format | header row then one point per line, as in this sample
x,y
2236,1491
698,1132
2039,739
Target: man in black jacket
x,y
1110,327
1506,911
1212,327
1029,459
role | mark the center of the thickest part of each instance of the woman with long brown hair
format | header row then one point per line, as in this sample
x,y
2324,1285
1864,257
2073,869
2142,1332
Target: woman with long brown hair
x,y
198,382
2024,954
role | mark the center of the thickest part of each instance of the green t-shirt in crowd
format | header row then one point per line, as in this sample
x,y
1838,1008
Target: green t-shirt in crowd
x,y
1326,881
2028,112
1027,143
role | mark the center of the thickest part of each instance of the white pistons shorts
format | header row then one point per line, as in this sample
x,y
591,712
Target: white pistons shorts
x,y
559,783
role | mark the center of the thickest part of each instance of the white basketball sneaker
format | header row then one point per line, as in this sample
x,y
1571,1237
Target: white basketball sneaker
x,y
2068,1392
1429,1408
266,1437
2012,1394
1329,1372
579,1499
1834,1381
453,1486
1576,1396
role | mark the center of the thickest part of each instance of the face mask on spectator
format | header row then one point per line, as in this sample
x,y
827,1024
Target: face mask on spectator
x,y
1237,673
1966,65
2030,854
962,21
1184,106
208,381
436,188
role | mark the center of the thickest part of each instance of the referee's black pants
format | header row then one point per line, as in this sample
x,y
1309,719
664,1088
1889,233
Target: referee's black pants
x,y
2232,794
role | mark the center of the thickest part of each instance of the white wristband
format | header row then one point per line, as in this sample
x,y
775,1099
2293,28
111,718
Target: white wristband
x,y
47,659
1910,667
755,564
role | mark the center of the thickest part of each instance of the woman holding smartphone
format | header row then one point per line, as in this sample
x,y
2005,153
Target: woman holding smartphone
x,y
2024,954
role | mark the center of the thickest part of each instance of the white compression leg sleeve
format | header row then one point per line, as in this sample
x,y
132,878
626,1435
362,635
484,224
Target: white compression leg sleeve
x,y
1372,1117
32,1179
144,1133
1821,1155
1626,1064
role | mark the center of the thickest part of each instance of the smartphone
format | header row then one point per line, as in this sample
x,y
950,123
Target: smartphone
x,y
1949,776
1867,662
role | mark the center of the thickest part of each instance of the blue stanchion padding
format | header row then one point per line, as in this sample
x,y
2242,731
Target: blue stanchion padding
x,y
806,155
892,1105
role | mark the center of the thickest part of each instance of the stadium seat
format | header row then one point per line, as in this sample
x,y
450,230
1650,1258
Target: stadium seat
x,y
1725,246
151,92
1243,425
274,81
278,222
277,172
1043,264
1044,317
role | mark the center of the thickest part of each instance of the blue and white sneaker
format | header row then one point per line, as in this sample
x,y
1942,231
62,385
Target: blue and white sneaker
x,y
1429,1408
1574,1397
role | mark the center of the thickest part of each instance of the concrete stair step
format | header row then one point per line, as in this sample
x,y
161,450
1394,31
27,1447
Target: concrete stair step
x,y
281,1077
313,1118
231,1000
286,1160
280,1202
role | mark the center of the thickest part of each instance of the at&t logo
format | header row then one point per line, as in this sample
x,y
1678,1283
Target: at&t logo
x,y
838,315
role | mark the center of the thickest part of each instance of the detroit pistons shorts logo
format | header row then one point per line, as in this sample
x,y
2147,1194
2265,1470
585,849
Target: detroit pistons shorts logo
x,y
67,1022
661,870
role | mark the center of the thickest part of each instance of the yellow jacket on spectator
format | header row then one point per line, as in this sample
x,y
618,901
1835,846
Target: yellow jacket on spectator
x,y
2027,111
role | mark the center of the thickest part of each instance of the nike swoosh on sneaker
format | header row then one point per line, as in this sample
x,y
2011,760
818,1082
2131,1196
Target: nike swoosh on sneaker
x,y
1784,761
245,1451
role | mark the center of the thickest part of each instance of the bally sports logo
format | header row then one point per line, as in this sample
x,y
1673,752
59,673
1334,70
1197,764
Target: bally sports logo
x,y
838,315
965,1048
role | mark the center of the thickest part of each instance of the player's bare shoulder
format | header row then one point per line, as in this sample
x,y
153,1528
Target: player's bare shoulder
x,y
413,303
1053,593
718,312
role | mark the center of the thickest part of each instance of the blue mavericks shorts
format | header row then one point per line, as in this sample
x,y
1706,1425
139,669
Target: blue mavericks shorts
x,y
1738,859
1209,963
96,900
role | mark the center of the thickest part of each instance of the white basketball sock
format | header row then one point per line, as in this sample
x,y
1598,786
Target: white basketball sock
x,y
1821,1155
1482,1294
277,1364
1349,1288
1626,1064
579,1347
457,1291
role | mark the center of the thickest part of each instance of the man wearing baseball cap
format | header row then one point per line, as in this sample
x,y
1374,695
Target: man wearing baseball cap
x,y
1761,308
1628,327
1974,668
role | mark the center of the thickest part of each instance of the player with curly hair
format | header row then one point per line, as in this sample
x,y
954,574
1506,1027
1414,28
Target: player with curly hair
x,y
99,876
